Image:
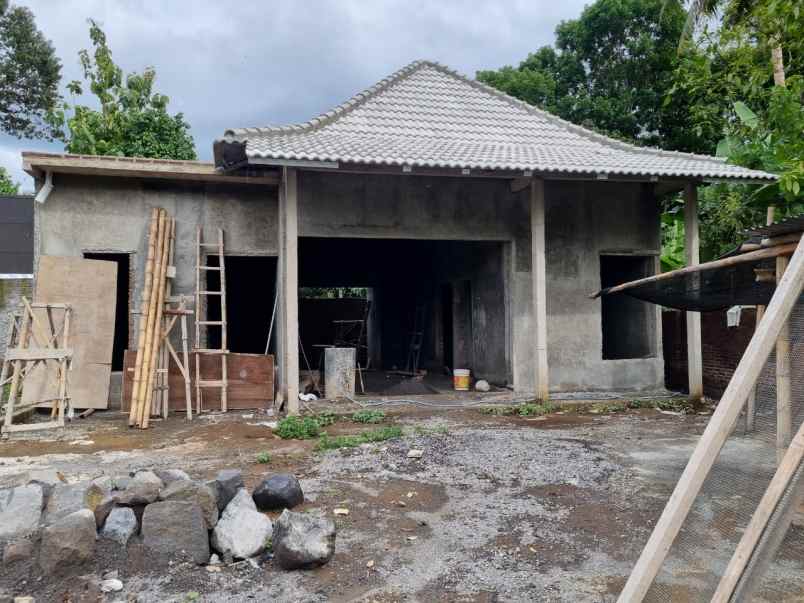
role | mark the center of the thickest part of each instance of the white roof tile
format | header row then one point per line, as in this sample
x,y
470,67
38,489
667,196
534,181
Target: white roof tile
x,y
426,115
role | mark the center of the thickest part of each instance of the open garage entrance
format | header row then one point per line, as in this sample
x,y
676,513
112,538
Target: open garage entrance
x,y
430,306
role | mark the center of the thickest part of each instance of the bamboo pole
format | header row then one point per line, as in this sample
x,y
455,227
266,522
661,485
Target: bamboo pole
x,y
147,363
146,296
160,301
165,397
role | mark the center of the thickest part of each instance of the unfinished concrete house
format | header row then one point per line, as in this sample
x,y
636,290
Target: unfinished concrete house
x,y
471,218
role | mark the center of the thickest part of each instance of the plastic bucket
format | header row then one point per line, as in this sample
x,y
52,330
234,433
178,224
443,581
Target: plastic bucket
x,y
460,380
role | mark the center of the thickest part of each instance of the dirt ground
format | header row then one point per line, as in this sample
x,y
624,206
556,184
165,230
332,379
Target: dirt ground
x,y
499,508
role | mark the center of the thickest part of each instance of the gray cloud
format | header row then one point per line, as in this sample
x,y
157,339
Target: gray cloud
x,y
258,63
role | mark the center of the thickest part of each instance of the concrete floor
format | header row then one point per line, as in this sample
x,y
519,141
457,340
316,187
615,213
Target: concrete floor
x,y
500,508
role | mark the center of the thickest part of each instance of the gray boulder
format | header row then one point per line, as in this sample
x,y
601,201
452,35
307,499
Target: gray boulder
x,y
282,491
120,526
66,499
227,484
242,531
195,492
148,477
20,510
176,527
168,476
121,482
302,541
482,386
137,493
70,541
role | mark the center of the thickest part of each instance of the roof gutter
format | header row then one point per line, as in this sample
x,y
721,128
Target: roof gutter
x,y
46,189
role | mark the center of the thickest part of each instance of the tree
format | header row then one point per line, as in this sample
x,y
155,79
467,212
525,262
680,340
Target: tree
x,y
29,75
7,185
132,121
610,70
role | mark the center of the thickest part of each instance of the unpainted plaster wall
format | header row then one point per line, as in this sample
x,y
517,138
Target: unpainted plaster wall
x,y
583,220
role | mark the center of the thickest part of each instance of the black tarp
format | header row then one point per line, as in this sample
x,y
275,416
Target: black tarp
x,y
16,234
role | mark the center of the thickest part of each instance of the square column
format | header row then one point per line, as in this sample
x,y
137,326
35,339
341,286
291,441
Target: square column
x,y
692,248
288,344
539,284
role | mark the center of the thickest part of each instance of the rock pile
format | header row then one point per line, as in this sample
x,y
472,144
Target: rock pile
x,y
56,525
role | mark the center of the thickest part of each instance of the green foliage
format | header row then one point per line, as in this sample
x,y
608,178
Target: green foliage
x,y
132,120
263,458
326,442
529,409
673,254
7,185
610,70
304,428
29,75
368,416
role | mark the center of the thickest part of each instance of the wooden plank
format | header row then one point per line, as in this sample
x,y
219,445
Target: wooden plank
x,y
692,249
716,432
31,427
539,283
38,353
89,287
250,377
784,392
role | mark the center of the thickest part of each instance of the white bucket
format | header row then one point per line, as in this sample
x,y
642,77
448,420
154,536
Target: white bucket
x,y
461,379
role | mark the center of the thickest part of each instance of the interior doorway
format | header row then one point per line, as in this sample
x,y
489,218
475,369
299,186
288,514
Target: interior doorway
x,y
250,292
120,339
627,323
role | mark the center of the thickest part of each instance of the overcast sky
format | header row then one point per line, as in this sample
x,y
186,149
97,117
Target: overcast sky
x,y
235,64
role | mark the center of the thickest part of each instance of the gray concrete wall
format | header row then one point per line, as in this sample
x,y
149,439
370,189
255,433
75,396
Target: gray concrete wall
x,y
583,221
11,294
85,213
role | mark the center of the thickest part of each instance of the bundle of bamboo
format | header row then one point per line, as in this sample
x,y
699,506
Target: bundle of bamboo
x,y
160,244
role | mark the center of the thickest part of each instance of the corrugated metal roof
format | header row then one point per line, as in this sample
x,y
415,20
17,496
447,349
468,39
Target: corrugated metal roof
x,y
789,225
426,115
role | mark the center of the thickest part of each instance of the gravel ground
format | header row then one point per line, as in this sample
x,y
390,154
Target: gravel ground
x,y
497,508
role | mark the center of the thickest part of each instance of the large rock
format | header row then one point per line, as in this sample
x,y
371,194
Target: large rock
x,y
70,541
66,499
148,477
103,509
120,526
227,484
242,531
20,510
195,492
168,476
19,550
301,540
141,492
282,491
176,527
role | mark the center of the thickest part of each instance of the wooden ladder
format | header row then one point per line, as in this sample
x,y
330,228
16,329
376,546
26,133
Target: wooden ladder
x,y
201,292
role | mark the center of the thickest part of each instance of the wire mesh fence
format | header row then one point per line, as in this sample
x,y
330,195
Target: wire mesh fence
x,y
729,497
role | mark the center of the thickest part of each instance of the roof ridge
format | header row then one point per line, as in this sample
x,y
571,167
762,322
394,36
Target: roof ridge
x,y
591,134
346,107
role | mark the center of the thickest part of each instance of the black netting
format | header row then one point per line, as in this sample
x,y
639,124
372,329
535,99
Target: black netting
x,y
729,497
709,289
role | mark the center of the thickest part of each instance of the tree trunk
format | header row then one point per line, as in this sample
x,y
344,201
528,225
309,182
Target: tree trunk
x,y
777,58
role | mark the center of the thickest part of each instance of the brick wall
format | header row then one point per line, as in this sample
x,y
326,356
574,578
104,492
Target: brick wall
x,y
722,348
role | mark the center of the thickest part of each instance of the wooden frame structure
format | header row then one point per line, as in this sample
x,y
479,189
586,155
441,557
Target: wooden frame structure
x,y
29,343
768,332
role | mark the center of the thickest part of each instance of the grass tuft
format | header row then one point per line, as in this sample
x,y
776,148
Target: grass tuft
x,y
263,458
368,416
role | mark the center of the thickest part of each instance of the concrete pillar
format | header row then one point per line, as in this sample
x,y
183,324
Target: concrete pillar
x,y
289,289
539,283
692,246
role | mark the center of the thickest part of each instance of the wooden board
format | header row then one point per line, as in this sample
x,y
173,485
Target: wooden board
x,y
90,288
251,381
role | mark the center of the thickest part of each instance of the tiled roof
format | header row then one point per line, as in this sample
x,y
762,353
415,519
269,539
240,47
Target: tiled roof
x,y
426,115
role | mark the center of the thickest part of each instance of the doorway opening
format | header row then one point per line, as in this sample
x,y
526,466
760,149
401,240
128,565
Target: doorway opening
x,y
628,324
120,339
250,292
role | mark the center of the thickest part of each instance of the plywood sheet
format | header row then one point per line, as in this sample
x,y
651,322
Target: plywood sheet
x,y
90,287
251,381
